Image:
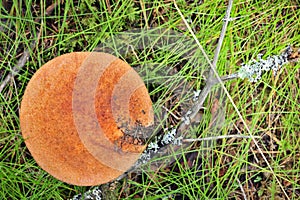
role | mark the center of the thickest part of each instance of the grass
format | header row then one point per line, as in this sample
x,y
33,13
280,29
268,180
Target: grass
x,y
231,168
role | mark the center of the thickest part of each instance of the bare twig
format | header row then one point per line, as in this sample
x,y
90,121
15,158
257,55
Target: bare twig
x,y
219,137
16,69
211,81
242,189
213,69
220,42
229,77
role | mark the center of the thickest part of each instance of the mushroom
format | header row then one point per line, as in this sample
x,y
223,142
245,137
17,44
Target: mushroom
x,y
78,114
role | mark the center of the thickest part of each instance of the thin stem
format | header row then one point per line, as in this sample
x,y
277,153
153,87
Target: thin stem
x,y
15,70
219,137
221,39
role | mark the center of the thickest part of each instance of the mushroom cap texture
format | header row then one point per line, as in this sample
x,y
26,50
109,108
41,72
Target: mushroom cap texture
x,y
75,113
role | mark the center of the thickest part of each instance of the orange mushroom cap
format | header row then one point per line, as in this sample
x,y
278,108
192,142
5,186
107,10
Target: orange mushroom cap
x,y
75,114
